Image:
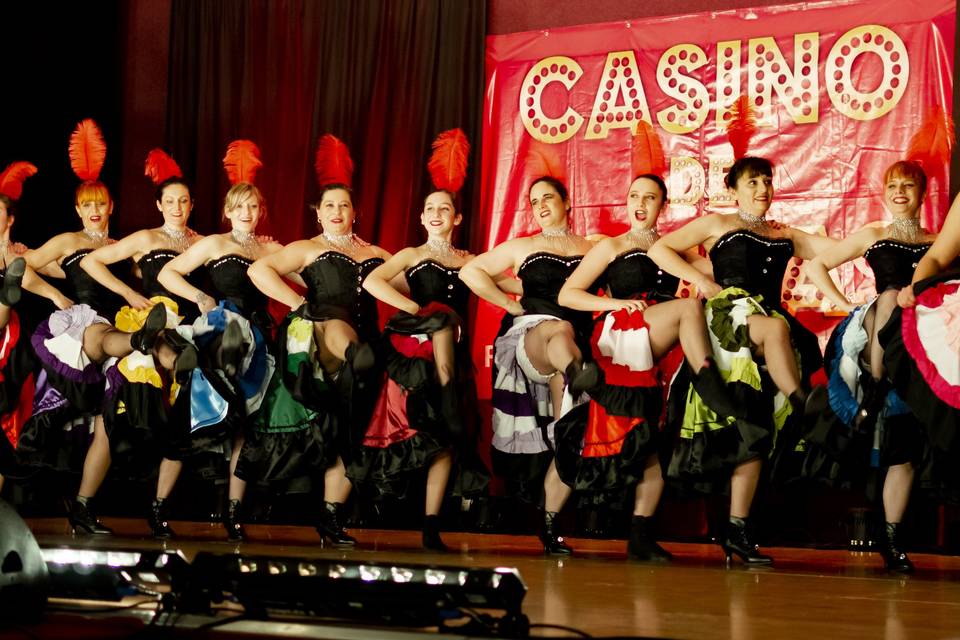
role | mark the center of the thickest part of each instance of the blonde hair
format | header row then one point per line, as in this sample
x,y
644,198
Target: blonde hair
x,y
240,192
91,191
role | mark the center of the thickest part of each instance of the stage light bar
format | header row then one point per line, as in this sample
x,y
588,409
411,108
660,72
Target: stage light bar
x,y
395,593
97,574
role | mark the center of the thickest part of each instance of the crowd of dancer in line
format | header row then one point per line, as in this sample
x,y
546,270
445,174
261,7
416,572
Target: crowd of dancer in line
x,y
162,352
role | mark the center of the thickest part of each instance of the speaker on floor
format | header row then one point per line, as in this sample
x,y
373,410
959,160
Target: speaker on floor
x,y
23,572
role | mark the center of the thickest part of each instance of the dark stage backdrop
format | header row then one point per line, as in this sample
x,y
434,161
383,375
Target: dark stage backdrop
x,y
60,65
385,77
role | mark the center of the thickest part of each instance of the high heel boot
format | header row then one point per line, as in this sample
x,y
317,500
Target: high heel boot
x,y
145,337
82,520
714,391
187,356
360,356
157,518
642,546
10,291
737,542
232,523
431,534
582,377
874,397
891,549
232,349
330,526
553,544
809,404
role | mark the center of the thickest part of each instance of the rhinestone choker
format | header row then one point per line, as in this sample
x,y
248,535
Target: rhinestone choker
x,y
906,230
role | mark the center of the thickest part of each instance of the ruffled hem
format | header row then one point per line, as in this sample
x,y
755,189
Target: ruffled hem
x,y
607,474
522,473
17,366
55,440
720,450
248,388
58,343
273,457
388,471
135,418
522,408
931,297
349,397
940,421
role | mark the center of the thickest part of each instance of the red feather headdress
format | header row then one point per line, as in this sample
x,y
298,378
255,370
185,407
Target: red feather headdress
x,y
741,127
87,151
11,180
160,167
932,143
647,152
448,163
242,161
543,160
333,164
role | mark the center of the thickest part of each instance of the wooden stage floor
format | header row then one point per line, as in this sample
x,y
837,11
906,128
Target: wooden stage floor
x,y
806,594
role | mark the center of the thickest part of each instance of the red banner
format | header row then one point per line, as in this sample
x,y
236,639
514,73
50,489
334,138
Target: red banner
x,y
838,89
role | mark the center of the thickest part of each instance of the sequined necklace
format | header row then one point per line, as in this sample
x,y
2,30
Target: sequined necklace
x,y
180,239
642,238
905,230
348,243
98,238
248,242
758,224
441,250
560,240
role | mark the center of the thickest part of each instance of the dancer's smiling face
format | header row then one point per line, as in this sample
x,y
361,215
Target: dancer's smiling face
x,y
549,206
335,212
439,215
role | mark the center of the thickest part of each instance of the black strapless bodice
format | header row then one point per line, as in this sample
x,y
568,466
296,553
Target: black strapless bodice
x,y
150,265
543,275
893,262
335,290
633,274
430,281
228,274
751,262
85,290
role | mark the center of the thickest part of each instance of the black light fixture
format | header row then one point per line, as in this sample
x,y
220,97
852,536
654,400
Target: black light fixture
x,y
384,592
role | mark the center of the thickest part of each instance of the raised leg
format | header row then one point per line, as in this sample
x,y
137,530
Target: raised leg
x,y
771,336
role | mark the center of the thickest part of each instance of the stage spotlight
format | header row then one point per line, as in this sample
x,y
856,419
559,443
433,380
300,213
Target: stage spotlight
x,y
404,594
23,575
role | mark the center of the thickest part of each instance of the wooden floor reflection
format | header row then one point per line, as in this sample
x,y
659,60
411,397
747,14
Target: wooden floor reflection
x,y
806,594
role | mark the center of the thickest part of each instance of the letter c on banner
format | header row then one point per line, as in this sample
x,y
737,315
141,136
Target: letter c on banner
x,y
537,123
888,89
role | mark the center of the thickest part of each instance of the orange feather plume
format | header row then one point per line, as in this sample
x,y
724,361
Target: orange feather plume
x,y
160,166
87,150
741,127
333,163
646,151
448,163
11,180
543,160
242,161
932,143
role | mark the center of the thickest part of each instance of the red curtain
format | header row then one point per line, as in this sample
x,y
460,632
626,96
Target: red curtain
x,y
385,77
